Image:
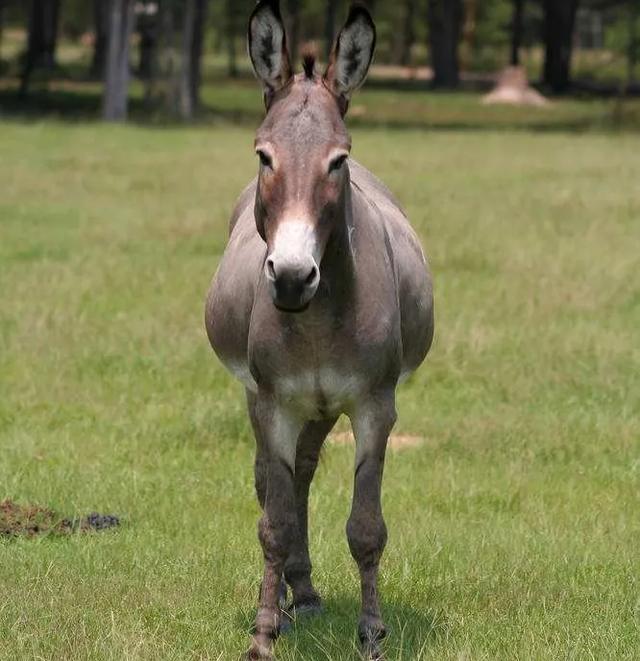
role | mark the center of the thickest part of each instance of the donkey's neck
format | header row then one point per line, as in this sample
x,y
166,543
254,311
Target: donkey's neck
x,y
338,268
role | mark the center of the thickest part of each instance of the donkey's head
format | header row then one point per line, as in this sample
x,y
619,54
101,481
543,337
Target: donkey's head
x,y
303,146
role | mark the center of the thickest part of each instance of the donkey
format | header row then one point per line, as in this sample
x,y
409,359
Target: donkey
x,y
321,303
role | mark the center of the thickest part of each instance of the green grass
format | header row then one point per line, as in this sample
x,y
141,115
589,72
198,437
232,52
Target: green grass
x,y
514,530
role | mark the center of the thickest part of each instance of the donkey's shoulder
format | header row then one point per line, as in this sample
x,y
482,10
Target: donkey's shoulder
x,y
246,199
384,206
371,187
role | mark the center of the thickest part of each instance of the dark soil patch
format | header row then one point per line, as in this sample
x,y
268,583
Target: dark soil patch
x,y
32,520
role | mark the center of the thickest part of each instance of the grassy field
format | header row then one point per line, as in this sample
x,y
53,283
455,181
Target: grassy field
x,y
514,528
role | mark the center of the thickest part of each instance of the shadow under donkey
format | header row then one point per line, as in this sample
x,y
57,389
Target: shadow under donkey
x,y
329,634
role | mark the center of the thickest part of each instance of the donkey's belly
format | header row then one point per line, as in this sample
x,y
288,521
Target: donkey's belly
x,y
231,295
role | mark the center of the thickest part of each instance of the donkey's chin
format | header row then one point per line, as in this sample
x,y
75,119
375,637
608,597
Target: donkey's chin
x,y
293,309
298,300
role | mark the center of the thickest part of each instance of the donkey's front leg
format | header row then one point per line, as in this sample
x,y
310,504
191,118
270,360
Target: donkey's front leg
x,y
372,422
297,569
278,526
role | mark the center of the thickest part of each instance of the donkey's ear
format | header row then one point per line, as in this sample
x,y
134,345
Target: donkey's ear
x,y
267,44
352,53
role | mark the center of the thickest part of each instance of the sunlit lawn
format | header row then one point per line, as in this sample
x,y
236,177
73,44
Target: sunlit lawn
x,y
514,527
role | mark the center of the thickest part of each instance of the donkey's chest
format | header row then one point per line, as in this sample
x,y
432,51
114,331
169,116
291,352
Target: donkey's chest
x,y
324,361
319,379
320,392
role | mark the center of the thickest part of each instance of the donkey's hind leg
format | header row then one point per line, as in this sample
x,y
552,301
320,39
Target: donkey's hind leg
x,y
297,569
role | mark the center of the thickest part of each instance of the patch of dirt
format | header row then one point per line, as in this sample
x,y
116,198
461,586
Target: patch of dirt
x,y
513,88
393,72
396,441
32,520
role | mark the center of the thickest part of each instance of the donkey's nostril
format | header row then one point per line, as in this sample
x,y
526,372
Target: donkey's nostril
x,y
312,275
271,270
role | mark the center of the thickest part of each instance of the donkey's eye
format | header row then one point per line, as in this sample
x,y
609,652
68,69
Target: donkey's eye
x,y
265,159
337,163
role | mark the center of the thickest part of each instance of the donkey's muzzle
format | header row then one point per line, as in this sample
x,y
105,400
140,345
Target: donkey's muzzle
x,y
292,283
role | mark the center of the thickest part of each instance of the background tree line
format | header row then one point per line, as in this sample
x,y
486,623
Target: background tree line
x,y
171,36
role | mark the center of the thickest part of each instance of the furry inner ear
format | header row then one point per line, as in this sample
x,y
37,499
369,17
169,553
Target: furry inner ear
x,y
267,45
352,53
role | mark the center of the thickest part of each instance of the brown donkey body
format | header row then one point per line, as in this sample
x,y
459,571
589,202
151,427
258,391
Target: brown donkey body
x,y
321,303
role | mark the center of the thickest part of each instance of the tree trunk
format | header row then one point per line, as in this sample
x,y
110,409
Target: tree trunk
x,y
196,50
185,100
406,35
469,28
293,29
192,36
231,39
116,87
516,31
148,27
445,19
632,49
101,25
43,36
329,27
559,20
170,51
1,25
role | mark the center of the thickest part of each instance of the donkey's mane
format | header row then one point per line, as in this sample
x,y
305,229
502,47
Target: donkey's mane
x,y
309,61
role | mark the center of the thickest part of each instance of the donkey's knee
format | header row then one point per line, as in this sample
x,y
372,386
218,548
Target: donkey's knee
x,y
276,535
367,537
306,465
297,568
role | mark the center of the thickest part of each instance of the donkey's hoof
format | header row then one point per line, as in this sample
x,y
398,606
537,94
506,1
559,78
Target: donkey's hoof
x,y
307,608
371,635
282,597
258,652
294,611
285,622
372,652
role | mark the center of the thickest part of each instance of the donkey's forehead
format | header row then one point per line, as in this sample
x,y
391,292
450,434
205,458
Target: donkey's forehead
x,y
304,113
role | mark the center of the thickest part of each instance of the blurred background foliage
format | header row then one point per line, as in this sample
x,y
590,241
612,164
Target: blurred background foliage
x,y
589,46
